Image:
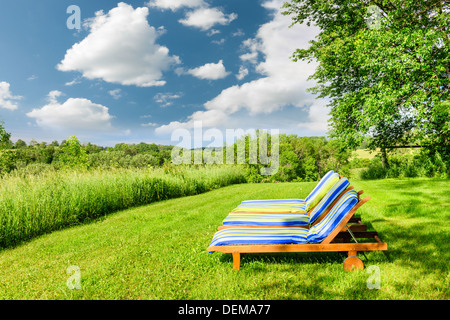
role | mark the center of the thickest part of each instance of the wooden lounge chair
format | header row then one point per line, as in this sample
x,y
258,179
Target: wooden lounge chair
x,y
324,237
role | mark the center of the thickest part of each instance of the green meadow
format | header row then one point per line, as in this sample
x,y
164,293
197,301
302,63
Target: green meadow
x,y
158,251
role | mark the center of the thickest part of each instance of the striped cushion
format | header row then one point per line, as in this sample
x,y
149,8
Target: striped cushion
x,y
291,202
331,195
321,230
241,236
324,185
268,201
257,236
266,219
291,207
325,177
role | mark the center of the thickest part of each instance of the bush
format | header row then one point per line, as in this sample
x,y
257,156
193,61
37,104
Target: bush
x,y
7,161
407,166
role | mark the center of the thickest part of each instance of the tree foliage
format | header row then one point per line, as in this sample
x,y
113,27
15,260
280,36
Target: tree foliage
x,y
72,153
300,159
5,141
388,81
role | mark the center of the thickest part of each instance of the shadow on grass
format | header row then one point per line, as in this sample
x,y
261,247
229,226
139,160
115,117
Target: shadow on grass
x,y
260,261
422,245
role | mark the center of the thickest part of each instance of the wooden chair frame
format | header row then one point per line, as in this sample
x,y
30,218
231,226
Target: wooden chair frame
x,y
336,241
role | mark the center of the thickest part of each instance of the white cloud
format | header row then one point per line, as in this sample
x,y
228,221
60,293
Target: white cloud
x,y
7,99
52,96
165,99
243,72
219,42
213,32
120,48
202,16
210,71
253,46
74,113
209,118
318,115
149,124
175,4
238,33
205,18
283,83
73,82
116,94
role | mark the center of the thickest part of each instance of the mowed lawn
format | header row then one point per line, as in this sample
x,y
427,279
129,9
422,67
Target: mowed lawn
x,y
158,251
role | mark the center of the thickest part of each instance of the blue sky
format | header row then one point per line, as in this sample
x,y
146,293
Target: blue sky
x,y
139,70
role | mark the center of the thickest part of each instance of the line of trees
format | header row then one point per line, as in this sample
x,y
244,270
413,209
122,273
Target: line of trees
x,y
299,158
70,153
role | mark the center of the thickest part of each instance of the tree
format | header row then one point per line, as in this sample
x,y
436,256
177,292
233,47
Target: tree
x,y
7,157
5,141
72,153
387,80
20,144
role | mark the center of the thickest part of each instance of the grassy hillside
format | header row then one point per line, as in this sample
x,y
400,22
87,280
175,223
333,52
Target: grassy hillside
x,y
158,251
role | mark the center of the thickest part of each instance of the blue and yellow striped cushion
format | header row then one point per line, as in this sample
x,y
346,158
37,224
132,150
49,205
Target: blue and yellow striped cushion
x,y
269,201
326,201
324,185
288,219
291,207
321,230
266,219
241,236
288,201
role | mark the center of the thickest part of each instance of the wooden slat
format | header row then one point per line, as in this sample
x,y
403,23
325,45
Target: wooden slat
x,y
357,227
358,234
319,247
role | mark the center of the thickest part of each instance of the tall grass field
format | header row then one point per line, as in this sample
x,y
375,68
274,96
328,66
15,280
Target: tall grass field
x,y
32,205
158,251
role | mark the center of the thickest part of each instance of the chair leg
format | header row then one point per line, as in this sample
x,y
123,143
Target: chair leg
x,y
236,260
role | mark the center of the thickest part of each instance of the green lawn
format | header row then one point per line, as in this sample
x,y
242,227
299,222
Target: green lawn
x,y
158,251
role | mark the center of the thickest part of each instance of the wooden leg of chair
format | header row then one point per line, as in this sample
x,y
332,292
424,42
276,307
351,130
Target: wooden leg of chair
x,y
236,260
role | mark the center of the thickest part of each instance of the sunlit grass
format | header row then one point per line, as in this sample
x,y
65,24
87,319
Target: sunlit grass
x,y
158,251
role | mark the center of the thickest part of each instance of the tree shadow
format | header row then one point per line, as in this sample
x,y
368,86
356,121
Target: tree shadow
x,y
294,260
421,246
